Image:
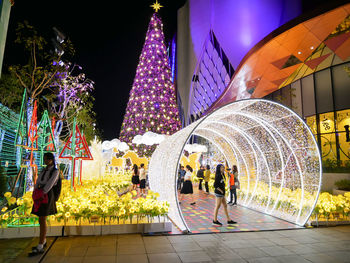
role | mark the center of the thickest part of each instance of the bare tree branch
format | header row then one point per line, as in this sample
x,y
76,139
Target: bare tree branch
x,y
20,79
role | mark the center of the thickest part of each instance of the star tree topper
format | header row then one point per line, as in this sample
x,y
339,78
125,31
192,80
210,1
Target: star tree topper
x,y
156,6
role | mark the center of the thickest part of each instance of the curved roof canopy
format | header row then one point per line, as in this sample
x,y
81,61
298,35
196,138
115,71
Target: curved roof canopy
x,y
282,58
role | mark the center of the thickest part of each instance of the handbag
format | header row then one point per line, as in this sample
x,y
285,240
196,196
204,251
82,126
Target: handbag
x,y
237,184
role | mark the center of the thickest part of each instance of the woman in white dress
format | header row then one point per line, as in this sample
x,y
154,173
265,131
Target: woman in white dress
x,y
187,187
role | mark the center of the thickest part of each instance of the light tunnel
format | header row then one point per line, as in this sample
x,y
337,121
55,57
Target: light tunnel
x,y
278,160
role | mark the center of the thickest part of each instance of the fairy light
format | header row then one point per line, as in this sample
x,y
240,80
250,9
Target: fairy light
x,y
268,143
153,90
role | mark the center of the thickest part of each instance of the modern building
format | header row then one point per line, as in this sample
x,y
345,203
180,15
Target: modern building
x,y
5,8
301,60
213,37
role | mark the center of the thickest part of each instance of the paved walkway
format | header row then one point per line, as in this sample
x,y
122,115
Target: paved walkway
x,y
199,217
300,245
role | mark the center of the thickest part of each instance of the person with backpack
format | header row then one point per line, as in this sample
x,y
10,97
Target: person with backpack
x,y
46,193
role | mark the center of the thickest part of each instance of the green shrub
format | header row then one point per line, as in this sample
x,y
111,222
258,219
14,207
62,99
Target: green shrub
x,y
343,184
333,166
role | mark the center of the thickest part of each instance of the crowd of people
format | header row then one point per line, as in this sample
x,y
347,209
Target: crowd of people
x,y
230,177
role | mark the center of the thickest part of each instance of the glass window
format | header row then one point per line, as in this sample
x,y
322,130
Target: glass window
x,y
296,98
311,122
307,90
341,86
328,147
327,123
327,135
323,87
343,127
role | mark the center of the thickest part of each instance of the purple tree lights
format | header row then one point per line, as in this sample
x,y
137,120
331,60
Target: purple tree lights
x,y
152,103
72,92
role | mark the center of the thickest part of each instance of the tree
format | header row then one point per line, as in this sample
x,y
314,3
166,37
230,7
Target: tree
x,y
57,84
39,73
152,103
11,92
72,99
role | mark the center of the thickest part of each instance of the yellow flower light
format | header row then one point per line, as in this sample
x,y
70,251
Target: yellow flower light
x,y
12,200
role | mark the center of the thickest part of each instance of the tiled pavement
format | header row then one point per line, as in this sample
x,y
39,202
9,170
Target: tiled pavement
x,y
199,216
300,245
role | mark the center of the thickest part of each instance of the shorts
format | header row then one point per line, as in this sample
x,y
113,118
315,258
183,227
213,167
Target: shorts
x,y
219,195
143,183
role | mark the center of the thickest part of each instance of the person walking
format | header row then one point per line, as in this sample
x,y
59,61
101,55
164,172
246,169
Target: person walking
x,y
206,179
142,179
45,198
219,186
135,177
187,187
200,176
234,185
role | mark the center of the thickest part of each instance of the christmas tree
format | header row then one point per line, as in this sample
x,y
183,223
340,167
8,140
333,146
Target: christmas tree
x,y
152,103
76,149
46,141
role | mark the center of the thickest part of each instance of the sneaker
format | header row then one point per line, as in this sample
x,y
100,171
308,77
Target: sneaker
x,y
193,203
217,223
44,246
231,222
234,204
36,251
229,203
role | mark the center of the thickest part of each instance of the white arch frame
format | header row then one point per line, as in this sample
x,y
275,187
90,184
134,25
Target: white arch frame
x,y
274,120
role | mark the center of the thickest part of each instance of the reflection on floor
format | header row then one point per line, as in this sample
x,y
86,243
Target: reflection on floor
x,y
199,217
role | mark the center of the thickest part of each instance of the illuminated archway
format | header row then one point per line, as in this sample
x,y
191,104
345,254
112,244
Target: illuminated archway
x,y
278,159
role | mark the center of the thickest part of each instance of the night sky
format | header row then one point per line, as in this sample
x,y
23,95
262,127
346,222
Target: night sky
x,y
108,42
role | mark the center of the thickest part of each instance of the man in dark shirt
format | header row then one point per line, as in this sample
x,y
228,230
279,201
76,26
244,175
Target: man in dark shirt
x,y
181,176
200,175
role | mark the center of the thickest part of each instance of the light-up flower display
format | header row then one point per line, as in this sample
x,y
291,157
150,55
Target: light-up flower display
x,y
106,198
277,157
152,104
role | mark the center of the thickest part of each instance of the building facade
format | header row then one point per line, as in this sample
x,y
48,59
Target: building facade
x,y
302,61
216,35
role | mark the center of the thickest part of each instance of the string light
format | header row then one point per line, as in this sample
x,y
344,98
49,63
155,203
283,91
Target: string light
x,y
153,69
274,150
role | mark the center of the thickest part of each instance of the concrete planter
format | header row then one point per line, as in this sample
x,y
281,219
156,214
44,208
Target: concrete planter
x,y
22,232
330,223
339,192
328,180
90,230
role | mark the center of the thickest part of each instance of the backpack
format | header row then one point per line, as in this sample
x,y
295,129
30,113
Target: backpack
x,y
58,186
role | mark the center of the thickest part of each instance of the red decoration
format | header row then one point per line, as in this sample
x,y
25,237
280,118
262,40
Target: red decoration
x,y
76,148
81,150
33,140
